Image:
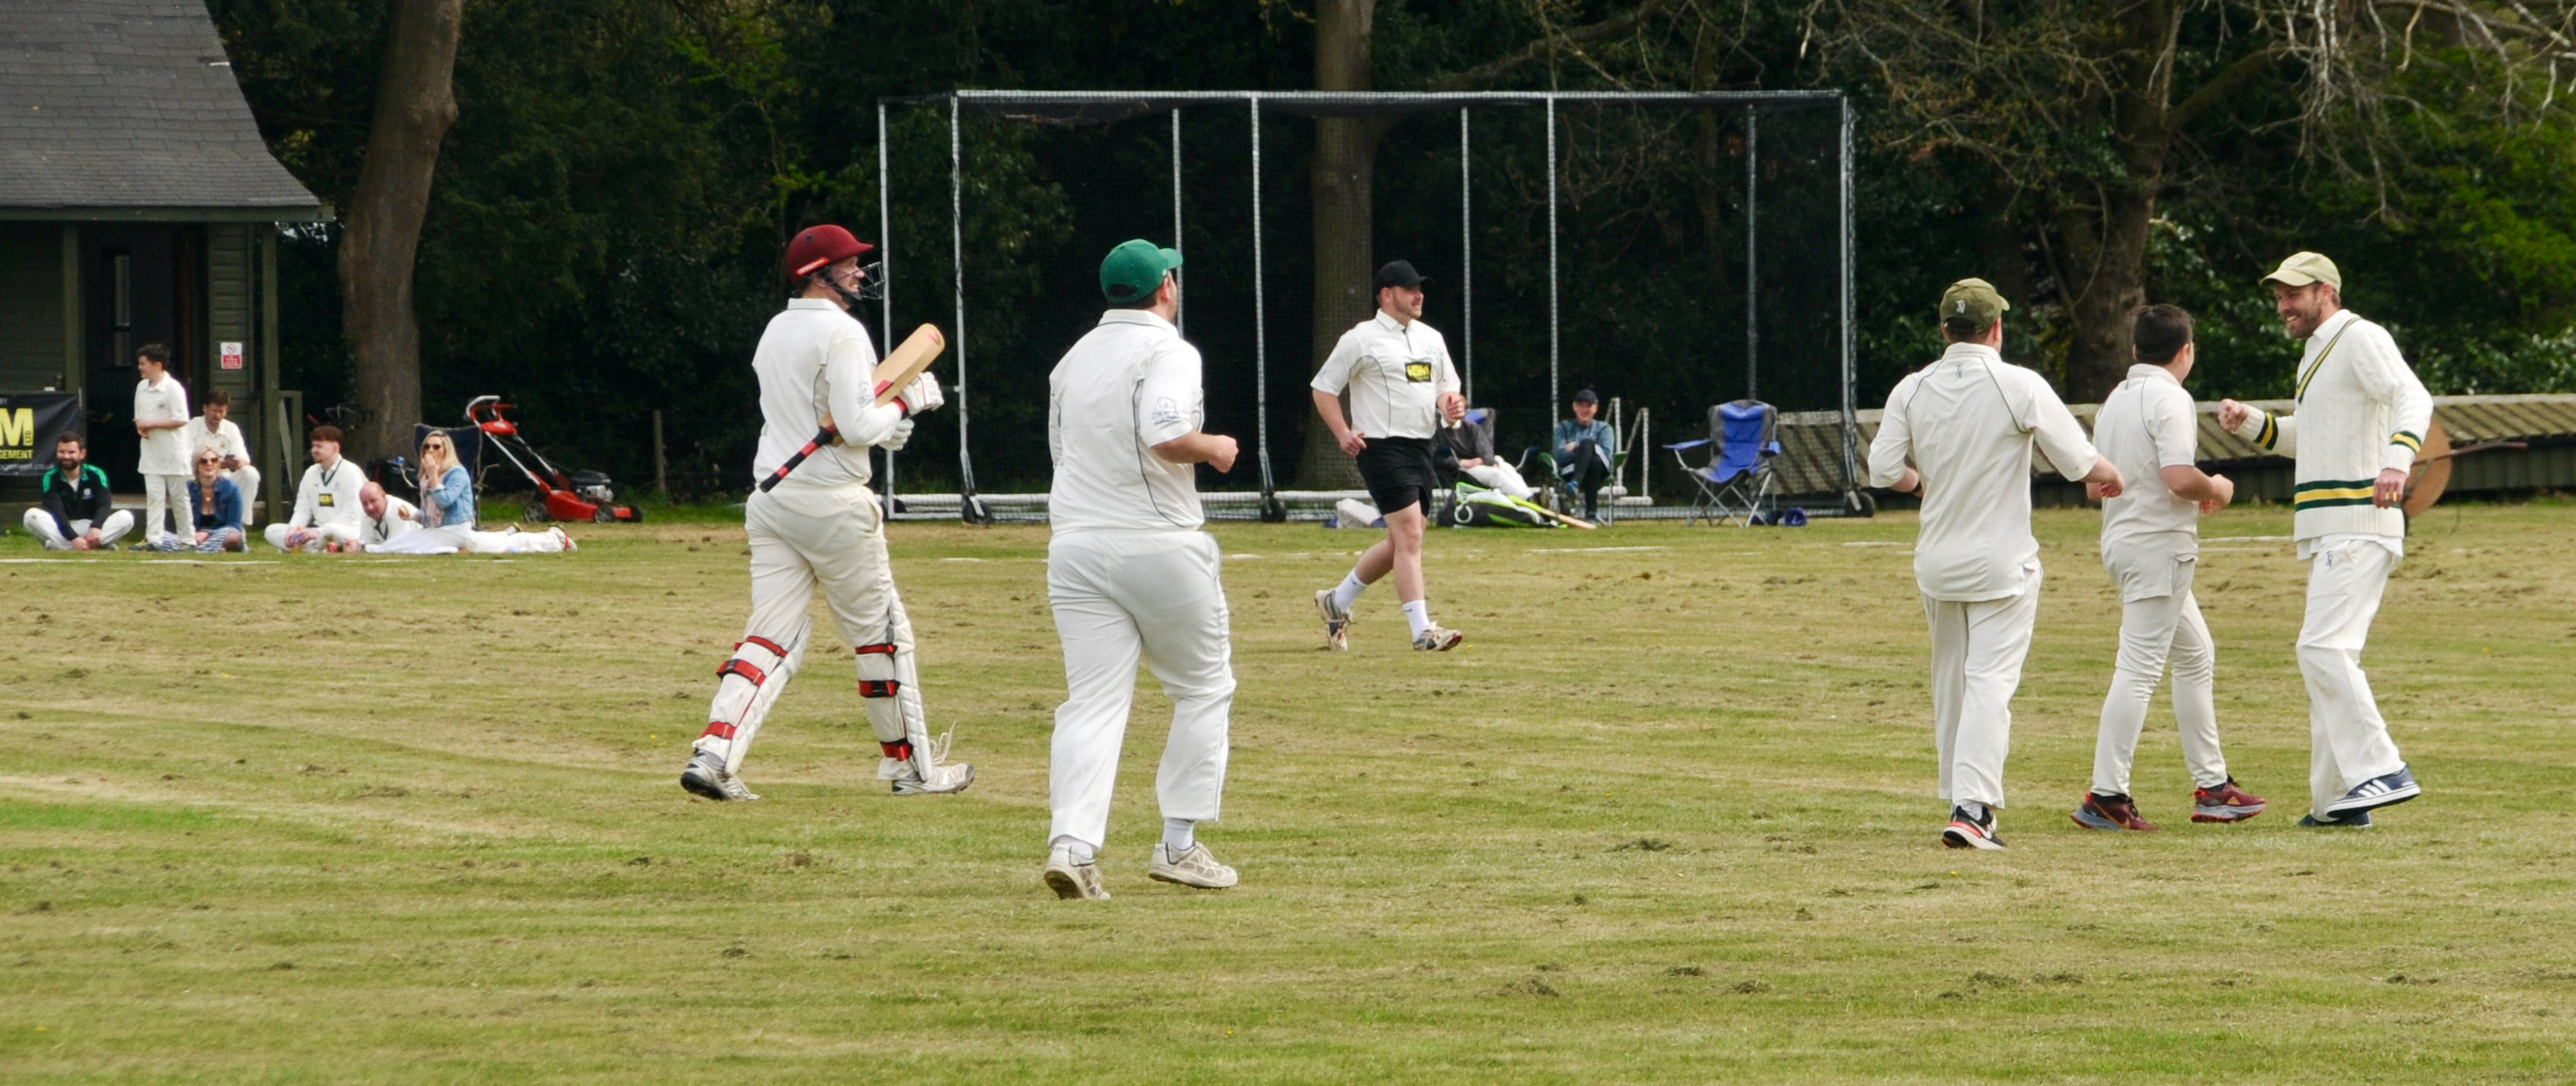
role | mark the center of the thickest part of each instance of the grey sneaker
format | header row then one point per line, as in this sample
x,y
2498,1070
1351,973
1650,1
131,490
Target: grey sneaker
x,y
1072,880
927,772
1337,622
1437,638
1197,867
706,777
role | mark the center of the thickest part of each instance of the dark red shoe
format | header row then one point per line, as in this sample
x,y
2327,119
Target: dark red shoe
x,y
2225,803
2110,813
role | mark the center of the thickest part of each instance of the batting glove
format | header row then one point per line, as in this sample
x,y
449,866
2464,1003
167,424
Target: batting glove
x,y
921,395
896,440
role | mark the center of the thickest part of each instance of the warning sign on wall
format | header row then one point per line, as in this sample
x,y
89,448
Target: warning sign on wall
x,y
232,354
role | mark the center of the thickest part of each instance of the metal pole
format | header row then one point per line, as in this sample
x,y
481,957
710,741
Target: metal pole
x,y
1466,260
1260,315
1552,389
1180,319
885,282
957,253
1851,412
1752,265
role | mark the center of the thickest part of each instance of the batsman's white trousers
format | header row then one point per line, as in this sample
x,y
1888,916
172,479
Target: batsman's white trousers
x,y
804,538
40,524
1118,595
2154,631
2348,739
165,494
334,532
1977,650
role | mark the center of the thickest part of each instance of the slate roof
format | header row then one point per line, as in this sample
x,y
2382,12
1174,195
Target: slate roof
x,y
126,104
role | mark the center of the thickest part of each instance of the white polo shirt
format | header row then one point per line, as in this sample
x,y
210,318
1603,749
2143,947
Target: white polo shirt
x,y
400,516
225,439
1128,385
813,358
164,452
1967,423
1395,373
2146,425
328,495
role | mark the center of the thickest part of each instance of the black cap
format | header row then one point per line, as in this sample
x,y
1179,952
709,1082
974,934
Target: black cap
x,y
1586,396
1399,273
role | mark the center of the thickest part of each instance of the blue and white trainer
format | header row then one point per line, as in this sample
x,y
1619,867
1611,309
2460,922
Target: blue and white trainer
x,y
2377,792
1969,832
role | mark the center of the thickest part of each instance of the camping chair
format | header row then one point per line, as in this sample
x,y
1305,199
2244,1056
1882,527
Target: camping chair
x,y
1482,418
1737,481
466,440
1557,494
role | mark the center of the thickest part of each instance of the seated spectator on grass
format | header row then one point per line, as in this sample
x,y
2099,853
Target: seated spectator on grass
x,y
446,491
215,430
386,516
214,511
447,514
1585,446
326,501
77,513
1474,445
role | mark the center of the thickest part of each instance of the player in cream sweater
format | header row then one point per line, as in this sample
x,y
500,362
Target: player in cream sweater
x,y
2361,417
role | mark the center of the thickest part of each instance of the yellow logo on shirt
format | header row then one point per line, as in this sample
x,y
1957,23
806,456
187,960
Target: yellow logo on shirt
x,y
1417,371
325,500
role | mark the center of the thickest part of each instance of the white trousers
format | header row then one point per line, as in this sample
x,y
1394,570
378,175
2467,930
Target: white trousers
x,y
2348,740
1117,596
165,495
1977,651
804,538
2155,631
335,532
1501,477
40,524
453,540
246,479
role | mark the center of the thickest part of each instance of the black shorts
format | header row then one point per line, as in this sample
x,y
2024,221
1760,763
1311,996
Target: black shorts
x,y
1398,473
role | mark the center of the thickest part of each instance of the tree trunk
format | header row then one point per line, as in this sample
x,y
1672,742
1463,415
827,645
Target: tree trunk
x,y
1343,178
2107,247
415,105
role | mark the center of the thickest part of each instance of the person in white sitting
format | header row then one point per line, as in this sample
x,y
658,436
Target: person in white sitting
x,y
446,513
215,430
326,501
385,517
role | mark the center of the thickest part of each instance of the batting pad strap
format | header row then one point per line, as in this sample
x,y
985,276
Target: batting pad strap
x,y
744,668
886,649
719,729
879,688
900,749
765,643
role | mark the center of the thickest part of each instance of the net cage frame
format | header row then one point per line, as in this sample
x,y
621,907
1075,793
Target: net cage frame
x,y
1100,107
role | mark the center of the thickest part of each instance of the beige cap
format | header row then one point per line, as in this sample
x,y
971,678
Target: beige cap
x,y
2305,268
1972,303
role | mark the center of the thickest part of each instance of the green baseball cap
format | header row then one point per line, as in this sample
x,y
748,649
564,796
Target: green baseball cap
x,y
1971,305
1134,271
2302,269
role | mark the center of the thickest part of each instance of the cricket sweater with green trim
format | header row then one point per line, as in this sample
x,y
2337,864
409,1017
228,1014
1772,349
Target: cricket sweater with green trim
x,y
2360,411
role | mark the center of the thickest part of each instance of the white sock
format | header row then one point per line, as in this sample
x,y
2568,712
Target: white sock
x,y
1417,614
1180,835
1082,850
1972,809
1348,592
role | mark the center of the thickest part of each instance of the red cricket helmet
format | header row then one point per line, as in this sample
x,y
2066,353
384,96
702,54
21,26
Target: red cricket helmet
x,y
817,247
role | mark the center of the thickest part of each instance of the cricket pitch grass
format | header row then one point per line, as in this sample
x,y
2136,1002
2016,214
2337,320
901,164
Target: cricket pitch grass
x,y
1666,817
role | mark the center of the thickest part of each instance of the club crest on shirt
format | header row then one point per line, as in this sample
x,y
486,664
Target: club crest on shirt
x,y
1166,410
324,500
1417,370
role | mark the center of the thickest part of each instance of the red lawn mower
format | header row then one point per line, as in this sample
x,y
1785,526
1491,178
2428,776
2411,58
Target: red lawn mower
x,y
582,495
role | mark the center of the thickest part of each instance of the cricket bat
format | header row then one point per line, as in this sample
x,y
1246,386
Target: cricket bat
x,y
1551,514
893,375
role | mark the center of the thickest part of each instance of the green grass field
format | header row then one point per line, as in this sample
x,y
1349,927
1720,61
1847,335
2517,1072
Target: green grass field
x,y
1667,817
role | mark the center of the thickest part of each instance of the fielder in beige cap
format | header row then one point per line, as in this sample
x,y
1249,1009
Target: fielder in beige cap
x,y
2361,418
1959,432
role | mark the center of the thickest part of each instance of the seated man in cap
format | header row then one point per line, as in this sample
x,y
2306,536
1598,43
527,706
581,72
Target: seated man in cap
x,y
1586,449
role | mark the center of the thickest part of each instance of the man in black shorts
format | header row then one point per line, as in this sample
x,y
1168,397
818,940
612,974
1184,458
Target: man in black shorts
x,y
1402,387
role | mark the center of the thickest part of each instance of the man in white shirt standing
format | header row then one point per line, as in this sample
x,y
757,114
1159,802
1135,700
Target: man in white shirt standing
x,y
327,502
1959,433
2150,430
1402,388
822,528
215,430
2361,419
1129,575
160,412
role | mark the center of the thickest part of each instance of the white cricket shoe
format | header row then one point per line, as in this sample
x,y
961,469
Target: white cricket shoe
x,y
1437,638
1337,621
706,777
1070,879
927,772
1197,867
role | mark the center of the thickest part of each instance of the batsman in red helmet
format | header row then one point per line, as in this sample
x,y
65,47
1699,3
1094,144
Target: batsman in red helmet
x,y
822,527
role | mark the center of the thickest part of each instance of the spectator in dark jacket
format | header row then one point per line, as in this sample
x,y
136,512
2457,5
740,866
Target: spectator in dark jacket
x,y
1586,451
76,514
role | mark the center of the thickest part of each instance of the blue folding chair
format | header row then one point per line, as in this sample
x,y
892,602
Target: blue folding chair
x,y
1737,481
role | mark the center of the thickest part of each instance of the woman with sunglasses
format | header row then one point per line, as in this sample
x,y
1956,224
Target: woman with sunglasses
x,y
214,510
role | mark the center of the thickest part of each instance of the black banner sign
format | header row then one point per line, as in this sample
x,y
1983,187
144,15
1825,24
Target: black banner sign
x,y
29,423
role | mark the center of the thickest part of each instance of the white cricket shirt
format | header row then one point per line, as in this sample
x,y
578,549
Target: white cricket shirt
x,y
1967,423
164,452
814,358
1128,385
2146,425
328,496
1395,373
400,516
225,439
